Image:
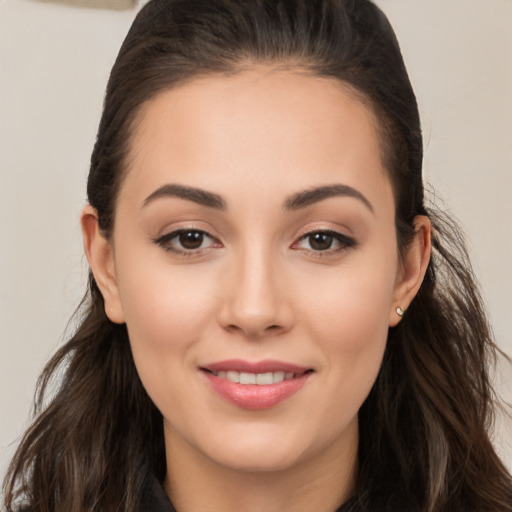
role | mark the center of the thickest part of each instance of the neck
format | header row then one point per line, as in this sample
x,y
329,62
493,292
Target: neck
x,y
322,482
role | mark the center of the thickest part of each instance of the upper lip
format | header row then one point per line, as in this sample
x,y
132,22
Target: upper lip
x,y
265,366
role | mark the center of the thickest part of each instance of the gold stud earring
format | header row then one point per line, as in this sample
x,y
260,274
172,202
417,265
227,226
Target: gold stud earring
x,y
399,312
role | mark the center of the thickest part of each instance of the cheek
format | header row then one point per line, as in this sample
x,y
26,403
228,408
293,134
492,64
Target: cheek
x,y
353,346
351,306
353,342
349,319
166,310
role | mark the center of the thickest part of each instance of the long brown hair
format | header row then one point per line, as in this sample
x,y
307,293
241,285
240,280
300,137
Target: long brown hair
x,y
424,443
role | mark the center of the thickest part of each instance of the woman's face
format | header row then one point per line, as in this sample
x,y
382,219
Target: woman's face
x,y
255,241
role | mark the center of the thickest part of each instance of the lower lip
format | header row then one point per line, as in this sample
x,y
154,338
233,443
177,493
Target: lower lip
x,y
254,396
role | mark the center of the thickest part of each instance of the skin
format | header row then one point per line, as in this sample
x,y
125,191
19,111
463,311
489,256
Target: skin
x,y
257,288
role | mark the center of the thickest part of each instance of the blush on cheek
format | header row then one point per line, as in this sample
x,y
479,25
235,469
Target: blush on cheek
x,y
352,325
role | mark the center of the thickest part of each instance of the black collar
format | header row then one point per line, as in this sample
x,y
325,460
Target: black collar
x,y
154,498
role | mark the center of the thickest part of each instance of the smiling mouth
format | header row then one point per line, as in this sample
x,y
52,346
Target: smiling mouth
x,y
254,386
261,379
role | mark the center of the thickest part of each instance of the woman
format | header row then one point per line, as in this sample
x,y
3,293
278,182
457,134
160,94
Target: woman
x,y
275,320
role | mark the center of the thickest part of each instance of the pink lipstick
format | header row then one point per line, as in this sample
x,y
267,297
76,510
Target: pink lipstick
x,y
255,385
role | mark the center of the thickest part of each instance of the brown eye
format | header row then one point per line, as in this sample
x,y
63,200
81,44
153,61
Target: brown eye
x,y
325,241
191,240
320,241
186,241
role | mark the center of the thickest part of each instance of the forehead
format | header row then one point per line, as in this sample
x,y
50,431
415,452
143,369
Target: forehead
x,y
251,127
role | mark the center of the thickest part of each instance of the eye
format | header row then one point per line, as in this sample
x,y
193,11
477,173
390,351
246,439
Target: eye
x,y
190,240
324,241
186,241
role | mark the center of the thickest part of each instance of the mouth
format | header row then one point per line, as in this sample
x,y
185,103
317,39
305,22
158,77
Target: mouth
x,y
255,385
259,379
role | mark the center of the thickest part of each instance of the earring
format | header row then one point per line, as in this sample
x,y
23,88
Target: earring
x,y
399,312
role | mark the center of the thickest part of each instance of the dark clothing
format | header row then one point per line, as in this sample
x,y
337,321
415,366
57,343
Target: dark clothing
x,y
154,499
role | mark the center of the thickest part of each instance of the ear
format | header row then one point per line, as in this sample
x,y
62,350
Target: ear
x,y
413,267
100,254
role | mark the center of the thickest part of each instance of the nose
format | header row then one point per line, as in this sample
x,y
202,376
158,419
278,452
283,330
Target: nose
x,y
256,299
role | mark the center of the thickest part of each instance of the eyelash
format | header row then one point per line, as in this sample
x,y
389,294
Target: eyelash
x,y
345,242
164,241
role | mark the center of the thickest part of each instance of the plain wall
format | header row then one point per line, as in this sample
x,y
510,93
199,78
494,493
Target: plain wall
x,y
54,64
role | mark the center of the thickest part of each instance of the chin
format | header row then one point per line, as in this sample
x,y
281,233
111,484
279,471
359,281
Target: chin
x,y
256,460
261,448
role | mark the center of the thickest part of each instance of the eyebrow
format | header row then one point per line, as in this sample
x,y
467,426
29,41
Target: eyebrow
x,y
314,195
196,195
294,202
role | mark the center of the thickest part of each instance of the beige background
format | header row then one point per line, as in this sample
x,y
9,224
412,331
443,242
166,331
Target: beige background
x,y
54,64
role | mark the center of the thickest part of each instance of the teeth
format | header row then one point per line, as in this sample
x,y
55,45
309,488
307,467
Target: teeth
x,y
254,378
247,378
233,376
264,378
279,377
